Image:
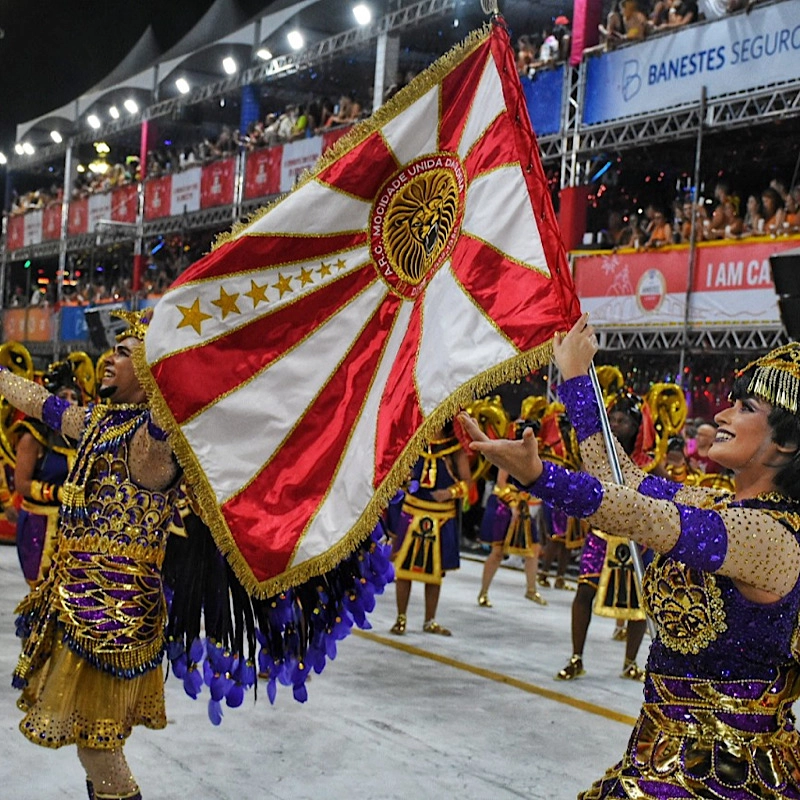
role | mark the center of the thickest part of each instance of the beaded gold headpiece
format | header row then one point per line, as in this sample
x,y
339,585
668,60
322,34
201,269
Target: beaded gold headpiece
x,y
137,320
776,377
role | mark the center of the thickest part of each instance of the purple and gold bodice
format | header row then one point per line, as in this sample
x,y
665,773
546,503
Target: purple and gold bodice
x,y
105,587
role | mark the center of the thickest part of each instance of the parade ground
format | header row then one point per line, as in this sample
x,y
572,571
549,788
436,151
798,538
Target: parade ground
x,y
475,716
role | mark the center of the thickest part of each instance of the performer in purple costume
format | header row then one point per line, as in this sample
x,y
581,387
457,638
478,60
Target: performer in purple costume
x,y
724,591
43,460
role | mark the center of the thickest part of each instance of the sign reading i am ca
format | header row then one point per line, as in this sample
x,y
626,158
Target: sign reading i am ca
x,y
728,55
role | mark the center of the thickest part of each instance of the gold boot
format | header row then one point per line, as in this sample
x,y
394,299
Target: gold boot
x,y
541,579
432,626
560,583
533,595
573,669
399,627
483,600
620,633
632,672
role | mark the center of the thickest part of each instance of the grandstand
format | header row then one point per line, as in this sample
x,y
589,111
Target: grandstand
x,y
652,121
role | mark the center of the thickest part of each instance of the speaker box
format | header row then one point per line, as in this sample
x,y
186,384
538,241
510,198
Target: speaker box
x,y
786,277
103,328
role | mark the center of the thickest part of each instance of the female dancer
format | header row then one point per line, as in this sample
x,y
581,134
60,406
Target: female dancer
x,y
724,669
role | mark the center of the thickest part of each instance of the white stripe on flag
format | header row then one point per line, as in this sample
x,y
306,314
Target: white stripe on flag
x,y
458,342
415,131
498,211
237,436
488,104
308,209
352,488
165,337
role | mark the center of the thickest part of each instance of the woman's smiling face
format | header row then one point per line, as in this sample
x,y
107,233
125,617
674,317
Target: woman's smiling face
x,y
744,436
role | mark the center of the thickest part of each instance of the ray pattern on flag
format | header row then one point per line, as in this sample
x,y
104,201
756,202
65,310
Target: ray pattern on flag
x,y
277,393
498,211
226,363
415,132
354,485
449,320
256,296
487,106
309,202
304,418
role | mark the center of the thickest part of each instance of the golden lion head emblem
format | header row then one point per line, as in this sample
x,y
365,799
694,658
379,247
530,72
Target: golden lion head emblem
x,y
420,219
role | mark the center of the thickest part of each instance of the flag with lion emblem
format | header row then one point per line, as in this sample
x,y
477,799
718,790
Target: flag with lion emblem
x,y
303,362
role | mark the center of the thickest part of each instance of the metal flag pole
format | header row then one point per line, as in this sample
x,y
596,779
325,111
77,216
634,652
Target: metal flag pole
x,y
616,471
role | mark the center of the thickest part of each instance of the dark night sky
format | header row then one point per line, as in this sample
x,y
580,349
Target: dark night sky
x,y
54,50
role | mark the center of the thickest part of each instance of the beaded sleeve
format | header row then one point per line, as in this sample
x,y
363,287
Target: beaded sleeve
x,y
745,544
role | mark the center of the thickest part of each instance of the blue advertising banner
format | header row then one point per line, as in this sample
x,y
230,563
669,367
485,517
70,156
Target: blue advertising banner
x,y
73,324
543,97
735,53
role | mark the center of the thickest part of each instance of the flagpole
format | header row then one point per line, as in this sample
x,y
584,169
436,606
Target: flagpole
x,y
616,471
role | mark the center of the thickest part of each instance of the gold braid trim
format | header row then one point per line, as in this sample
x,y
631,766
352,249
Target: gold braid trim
x,y
511,370
421,85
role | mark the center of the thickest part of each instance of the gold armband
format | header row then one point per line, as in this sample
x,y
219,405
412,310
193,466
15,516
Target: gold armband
x,y
43,492
458,489
36,491
505,493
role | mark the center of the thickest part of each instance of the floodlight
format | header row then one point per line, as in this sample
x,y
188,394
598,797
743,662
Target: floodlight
x,y
18,149
56,137
183,85
113,112
28,149
131,105
229,65
362,14
3,159
264,54
93,121
295,39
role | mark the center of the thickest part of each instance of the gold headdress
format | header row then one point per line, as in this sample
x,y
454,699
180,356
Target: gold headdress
x,y
776,377
137,320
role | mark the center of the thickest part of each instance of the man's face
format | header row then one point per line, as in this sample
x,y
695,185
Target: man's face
x,y
119,381
705,436
624,427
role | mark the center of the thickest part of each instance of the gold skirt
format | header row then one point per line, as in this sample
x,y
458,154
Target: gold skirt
x,y
68,701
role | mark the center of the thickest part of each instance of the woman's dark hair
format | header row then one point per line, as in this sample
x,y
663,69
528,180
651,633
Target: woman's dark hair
x,y
60,376
774,196
785,432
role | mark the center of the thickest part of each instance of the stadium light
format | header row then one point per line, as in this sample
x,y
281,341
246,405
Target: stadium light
x,y
28,148
182,85
3,159
56,137
131,106
229,65
362,14
295,39
264,54
18,149
93,121
113,112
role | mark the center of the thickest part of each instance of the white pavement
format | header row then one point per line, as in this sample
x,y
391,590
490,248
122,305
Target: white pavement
x,y
476,716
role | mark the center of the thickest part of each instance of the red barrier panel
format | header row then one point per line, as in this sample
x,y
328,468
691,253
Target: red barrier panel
x,y
262,173
78,216
217,183
157,197
15,232
51,223
124,203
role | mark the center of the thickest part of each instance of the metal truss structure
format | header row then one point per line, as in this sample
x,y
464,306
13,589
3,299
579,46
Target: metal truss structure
x,y
694,341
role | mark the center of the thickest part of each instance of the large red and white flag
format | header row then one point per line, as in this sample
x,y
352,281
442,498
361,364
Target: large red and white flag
x,y
304,360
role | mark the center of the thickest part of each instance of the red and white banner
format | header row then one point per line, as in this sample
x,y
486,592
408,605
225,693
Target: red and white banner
x,y
217,183
33,227
298,157
302,363
732,285
125,203
51,222
99,209
157,201
27,325
262,173
15,232
78,216
185,194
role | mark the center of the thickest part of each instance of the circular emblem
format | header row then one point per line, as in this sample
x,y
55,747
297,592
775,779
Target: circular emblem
x,y
651,290
415,221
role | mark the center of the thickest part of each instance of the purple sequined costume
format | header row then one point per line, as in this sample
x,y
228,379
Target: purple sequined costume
x,y
722,673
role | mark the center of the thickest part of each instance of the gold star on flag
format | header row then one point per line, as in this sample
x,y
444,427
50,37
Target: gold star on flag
x,y
306,276
283,285
324,269
257,293
341,264
226,303
193,317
